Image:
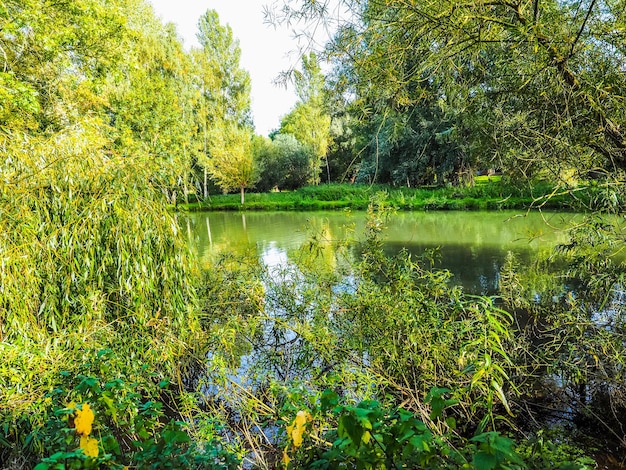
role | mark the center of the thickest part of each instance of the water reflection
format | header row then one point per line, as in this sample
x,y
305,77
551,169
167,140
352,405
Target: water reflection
x,y
273,257
472,245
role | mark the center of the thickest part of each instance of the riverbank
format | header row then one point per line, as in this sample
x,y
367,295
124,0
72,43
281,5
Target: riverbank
x,y
488,193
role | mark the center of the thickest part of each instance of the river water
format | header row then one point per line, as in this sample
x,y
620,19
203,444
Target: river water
x,y
471,245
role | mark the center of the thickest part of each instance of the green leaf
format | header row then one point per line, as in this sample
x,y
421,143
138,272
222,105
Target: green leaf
x,y
110,444
363,417
104,352
498,388
451,422
176,436
329,400
421,443
484,461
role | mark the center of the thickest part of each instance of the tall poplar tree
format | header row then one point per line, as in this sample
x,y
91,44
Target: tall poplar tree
x,y
225,89
309,122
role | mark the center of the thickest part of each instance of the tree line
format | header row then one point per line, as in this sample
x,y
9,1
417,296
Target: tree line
x,y
415,93
115,70
430,92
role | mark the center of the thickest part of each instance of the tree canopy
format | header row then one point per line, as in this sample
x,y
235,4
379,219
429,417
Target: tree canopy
x,y
533,87
232,162
225,98
309,121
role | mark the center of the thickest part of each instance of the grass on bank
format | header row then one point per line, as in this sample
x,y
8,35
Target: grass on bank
x,y
488,193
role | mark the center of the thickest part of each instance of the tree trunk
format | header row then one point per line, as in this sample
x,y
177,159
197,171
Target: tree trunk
x,y
242,195
327,169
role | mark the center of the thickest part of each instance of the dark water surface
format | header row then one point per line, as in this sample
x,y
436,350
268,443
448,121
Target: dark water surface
x,y
472,245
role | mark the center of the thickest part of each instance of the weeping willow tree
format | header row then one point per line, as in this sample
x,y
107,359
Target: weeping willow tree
x,y
84,237
95,126
85,233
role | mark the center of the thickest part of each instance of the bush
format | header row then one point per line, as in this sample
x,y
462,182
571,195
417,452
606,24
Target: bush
x,y
105,414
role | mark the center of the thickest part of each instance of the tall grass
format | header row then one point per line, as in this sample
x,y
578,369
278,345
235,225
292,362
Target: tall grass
x,y
486,194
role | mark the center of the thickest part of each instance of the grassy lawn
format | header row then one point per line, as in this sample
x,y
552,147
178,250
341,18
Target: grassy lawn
x,y
488,193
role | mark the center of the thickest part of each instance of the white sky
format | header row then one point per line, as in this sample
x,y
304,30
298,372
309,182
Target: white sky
x,y
264,49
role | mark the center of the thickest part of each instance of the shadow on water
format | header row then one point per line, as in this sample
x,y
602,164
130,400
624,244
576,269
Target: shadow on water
x,y
475,268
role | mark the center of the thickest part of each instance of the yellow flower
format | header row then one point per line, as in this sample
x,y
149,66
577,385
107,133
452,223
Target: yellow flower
x,y
84,420
89,446
286,458
296,430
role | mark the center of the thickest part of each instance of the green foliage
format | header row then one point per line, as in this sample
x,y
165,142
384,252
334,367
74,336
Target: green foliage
x,y
96,123
51,73
151,98
371,435
545,450
388,327
223,109
526,87
421,374
232,164
232,296
112,62
103,116
285,163
493,451
174,449
430,335
128,425
225,86
412,149
484,195
78,249
574,299
309,122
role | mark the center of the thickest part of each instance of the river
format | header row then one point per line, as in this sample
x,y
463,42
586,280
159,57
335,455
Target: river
x,y
471,245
